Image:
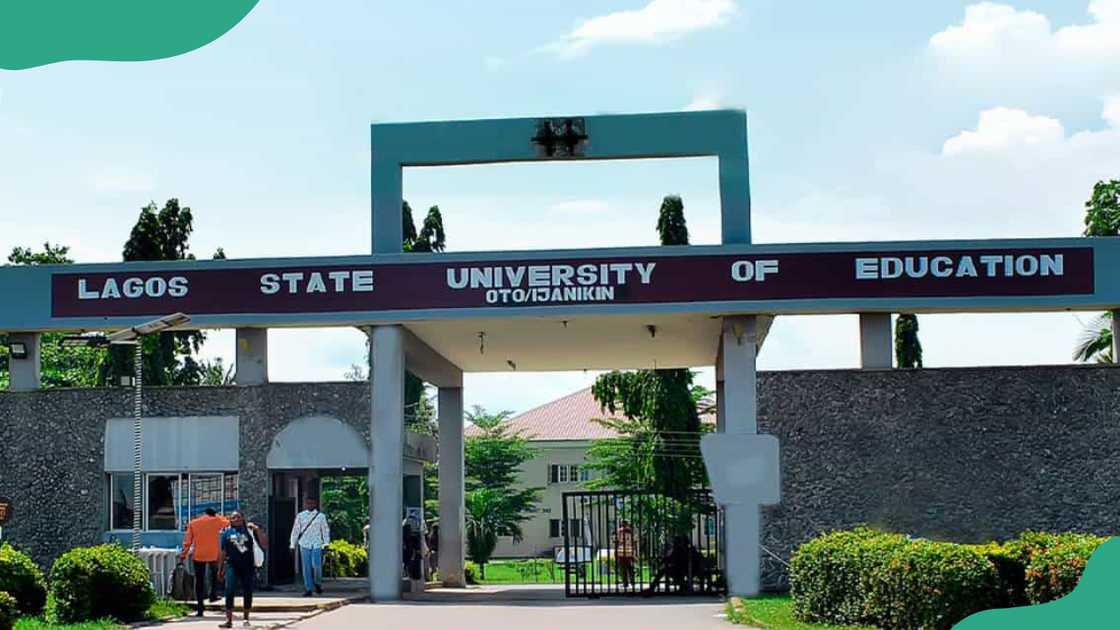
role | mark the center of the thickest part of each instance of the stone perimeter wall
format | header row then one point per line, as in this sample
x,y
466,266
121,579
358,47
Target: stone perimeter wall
x,y
52,449
967,454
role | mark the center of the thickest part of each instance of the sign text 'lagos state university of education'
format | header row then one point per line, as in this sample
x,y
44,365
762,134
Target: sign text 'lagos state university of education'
x,y
647,279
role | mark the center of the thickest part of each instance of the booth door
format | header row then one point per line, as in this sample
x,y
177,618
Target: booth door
x,y
281,517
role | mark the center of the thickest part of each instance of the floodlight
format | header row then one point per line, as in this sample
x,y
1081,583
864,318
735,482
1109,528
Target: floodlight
x,y
156,325
17,349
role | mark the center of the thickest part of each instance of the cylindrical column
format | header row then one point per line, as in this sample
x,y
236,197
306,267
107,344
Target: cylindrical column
x,y
24,372
451,487
386,496
740,410
876,350
252,356
1116,336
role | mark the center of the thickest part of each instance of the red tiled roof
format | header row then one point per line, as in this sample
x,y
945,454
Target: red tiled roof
x,y
568,418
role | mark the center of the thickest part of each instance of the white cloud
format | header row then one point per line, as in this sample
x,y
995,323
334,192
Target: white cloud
x,y
994,36
658,21
703,102
1002,128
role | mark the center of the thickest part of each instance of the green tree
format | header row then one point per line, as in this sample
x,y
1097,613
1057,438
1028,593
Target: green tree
x,y
1102,218
659,445
907,347
495,505
345,501
169,358
429,239
59,367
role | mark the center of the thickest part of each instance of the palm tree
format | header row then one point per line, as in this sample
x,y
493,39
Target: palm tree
x,y
1095,342
488,515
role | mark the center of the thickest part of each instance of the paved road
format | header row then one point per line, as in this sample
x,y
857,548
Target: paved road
x,y
528,615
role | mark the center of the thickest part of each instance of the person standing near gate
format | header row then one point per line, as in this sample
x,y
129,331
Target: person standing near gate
x,y
202,536
235,562
625,552
311,533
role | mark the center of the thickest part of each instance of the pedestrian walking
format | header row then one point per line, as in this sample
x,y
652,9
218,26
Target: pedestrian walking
x,y
201,543
236,565
311,533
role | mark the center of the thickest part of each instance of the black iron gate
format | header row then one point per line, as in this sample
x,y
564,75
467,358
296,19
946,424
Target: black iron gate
x,y
635,543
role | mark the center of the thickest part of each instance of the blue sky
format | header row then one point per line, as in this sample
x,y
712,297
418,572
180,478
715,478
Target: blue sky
x,y
868,121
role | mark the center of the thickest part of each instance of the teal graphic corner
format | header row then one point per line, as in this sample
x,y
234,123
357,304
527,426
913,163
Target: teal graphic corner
x,y
1093,604
39,32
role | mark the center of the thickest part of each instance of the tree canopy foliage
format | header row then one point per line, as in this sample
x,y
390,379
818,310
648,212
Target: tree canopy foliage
x,y
907,346
1102,218
495,505
658,448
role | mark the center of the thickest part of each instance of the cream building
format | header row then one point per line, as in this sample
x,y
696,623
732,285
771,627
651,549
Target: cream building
x,y
560,432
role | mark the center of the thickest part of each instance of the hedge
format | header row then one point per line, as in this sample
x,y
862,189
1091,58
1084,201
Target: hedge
x,y
1053,571
830,574
863,576
90,583
23,580
9,611
347,559
933,585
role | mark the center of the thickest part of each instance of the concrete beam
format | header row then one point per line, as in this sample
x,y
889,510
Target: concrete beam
x,y
24,373
431,366
876,346
386,469
452,522
252,356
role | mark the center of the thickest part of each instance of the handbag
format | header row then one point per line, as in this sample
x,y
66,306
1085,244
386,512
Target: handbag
x,y
182,585
258,551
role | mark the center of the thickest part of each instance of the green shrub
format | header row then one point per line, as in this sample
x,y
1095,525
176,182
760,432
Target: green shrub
x,y
926,584
1011,567
104,581
9,611
346,559
829,574
470,572
1053,572
23,580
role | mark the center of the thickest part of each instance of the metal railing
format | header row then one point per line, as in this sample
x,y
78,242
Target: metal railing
x,y
634,543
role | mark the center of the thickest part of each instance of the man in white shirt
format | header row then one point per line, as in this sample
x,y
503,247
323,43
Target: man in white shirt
x,y
311,533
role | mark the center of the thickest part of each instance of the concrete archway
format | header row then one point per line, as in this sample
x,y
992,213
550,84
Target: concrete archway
x,y
318,442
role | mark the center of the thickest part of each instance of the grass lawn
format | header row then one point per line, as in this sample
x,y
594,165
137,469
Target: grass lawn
x,y
162,609
541,571
774,612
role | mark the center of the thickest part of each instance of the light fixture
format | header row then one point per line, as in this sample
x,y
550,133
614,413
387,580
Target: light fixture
x,y
482,342
511,364
652,331
17,349
82,341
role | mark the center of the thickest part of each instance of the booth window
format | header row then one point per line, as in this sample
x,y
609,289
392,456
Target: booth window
x,y
556,528
171,500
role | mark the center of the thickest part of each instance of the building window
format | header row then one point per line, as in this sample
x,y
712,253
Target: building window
x,y
164,501
123,504
171,500
568,473
557,530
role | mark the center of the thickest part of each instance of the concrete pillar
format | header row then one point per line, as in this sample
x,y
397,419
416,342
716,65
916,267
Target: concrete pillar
x,y
252,356
452,522
24,373
386,468
876,345
1116,337
740,393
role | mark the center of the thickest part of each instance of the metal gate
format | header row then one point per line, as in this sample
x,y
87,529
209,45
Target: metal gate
x,y
635,543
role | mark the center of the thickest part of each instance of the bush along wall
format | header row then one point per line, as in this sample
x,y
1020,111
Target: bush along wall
x,y
91,583
22,579
863,576
346,559
9,611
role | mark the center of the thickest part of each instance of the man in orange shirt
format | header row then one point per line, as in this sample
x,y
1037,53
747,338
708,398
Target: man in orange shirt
x,y
202,534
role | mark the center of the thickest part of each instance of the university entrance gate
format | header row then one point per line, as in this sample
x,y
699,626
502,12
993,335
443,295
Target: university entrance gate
x,y
439,315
